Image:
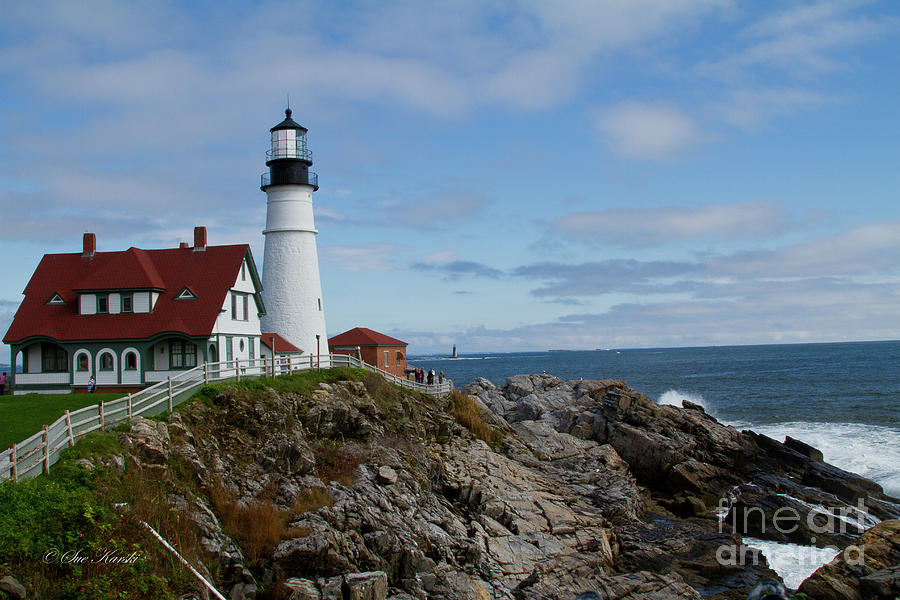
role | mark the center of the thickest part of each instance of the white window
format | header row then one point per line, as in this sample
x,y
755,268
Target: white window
x,y
182,354
239,306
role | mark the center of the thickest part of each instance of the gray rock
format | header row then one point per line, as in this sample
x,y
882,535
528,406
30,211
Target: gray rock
x,y
13,588
301,589
150,439
387,475
371,585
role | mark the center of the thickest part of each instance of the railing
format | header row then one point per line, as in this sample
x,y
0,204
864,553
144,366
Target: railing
x,y
297,151
37,453
311,179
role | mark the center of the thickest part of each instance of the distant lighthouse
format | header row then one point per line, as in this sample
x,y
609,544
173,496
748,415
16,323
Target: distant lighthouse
x,y
292,291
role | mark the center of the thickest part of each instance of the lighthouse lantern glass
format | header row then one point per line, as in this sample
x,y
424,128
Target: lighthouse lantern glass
x,y
288,143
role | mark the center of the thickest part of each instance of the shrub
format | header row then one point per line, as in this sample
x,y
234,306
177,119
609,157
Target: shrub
x,y
73,510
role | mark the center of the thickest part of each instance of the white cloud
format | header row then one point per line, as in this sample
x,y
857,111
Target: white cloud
x,y
367,257
803,40
749,108
638,227
434,211
647,131
864,250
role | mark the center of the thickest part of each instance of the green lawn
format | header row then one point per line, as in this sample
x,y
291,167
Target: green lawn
x,y
21,416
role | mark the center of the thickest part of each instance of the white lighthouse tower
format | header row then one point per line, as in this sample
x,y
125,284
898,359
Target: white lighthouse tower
x,y
292,292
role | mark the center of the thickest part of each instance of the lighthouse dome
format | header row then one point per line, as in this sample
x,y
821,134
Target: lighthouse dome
x,y
289,123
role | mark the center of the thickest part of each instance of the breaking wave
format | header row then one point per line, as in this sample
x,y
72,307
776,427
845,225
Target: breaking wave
x,y
872,451
675,397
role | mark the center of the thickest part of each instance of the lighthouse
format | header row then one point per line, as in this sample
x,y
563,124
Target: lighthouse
x,y
292,291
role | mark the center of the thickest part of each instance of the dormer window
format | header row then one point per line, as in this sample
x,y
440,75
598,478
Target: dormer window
x,y
102,304
127,303
185,294
56,299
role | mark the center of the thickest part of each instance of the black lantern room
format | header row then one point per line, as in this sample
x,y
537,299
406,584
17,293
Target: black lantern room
x,y
289,158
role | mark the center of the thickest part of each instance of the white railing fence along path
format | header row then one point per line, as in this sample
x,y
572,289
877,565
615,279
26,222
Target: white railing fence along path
x,y
34,455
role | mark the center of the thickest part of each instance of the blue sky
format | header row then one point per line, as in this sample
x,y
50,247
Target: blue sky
x,y
497,175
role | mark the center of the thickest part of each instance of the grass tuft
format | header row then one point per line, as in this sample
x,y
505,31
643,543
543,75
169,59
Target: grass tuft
x,y
337,463
259,526
467,414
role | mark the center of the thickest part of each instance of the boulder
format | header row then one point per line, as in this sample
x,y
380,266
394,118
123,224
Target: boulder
x,y
13,588
865,570
296,588
150,439
371,585
387,475
804,448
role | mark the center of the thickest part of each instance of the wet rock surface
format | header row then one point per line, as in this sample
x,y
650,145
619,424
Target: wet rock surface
x,y
594,487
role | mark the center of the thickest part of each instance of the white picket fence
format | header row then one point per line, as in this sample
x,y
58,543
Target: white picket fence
x,y
37,453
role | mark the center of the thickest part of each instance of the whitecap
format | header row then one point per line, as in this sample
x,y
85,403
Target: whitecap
x,y
872,451
792,562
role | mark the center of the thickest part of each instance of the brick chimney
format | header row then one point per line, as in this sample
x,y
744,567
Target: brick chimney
x,y
184,245
90,244
199,238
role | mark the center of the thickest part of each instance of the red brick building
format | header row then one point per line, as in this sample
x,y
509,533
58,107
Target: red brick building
x,y
376,349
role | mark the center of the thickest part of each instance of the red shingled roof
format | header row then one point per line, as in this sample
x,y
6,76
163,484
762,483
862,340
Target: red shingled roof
x,y
281,344
209,274
361,336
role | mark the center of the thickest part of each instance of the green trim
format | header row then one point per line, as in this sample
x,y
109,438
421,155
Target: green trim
x,y
257,282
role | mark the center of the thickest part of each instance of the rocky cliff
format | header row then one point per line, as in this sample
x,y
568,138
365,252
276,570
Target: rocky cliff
x,y
359,490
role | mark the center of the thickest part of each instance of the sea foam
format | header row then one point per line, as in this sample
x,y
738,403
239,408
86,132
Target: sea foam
x,y
675,397
872,451
793,562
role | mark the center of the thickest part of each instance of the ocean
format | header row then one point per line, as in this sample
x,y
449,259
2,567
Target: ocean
x,y
843,398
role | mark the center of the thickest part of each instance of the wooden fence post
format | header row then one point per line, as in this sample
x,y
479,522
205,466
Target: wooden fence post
x,y
46,446
13,472
205,372
69,429
101,415
129,407
170,393
237,368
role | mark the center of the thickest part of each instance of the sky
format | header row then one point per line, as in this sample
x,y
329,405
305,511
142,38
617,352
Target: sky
x,y
502,176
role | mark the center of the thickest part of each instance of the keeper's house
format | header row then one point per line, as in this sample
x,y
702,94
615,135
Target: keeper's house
x,y
382,351
134,317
